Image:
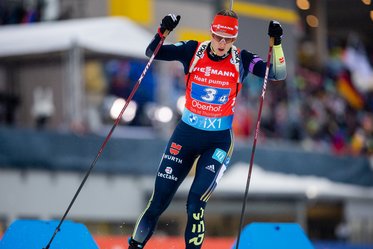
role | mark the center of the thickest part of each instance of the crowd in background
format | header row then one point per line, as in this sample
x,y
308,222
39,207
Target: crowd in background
x,y
32,11
326,110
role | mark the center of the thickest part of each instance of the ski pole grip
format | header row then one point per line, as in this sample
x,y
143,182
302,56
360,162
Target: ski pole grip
x,y
166,33
271,41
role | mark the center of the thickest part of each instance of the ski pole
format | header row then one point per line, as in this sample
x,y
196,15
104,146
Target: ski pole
x,y
117,120
265,80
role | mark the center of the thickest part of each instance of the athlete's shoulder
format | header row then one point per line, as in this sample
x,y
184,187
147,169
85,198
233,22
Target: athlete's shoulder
x,y
189,47
188,43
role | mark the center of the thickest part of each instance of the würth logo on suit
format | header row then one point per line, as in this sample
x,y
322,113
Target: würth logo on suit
x,y
175,148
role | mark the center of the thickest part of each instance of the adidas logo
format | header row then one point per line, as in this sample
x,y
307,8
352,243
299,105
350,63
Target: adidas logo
x,y
211,168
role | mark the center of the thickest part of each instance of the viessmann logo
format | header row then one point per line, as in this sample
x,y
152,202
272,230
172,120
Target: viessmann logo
x,y
219,26
210,71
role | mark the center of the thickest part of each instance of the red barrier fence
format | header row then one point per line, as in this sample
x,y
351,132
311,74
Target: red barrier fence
x,y
162,242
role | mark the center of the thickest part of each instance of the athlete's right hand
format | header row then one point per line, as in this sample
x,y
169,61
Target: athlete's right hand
x,y
275,31
169,22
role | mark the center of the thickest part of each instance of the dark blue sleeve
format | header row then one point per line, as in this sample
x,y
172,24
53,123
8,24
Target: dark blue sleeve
x,y
252,63
182,51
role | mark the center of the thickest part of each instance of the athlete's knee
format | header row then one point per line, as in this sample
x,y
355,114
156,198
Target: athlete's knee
x,y
195,205
156,208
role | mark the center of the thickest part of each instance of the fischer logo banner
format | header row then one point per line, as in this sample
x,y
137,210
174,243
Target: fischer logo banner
x,y
201,51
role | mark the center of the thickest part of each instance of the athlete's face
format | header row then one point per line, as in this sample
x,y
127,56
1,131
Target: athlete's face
x,y
221,45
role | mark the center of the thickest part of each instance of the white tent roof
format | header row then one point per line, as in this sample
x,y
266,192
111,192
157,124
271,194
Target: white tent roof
x,y
272,183
111,35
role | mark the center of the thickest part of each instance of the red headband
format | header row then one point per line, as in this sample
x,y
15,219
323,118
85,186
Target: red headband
x,y
226,26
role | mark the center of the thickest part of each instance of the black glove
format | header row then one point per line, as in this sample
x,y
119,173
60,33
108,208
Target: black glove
x,y
169,22
275,31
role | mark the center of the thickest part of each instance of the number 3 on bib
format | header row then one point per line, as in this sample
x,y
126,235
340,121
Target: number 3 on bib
x,y
210,94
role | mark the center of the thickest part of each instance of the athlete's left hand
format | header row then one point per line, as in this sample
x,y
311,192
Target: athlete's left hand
x,y
169,22
275,31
